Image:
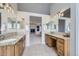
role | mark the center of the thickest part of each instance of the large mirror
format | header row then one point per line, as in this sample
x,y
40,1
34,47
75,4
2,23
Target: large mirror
x,y
51,26
12,23
21,24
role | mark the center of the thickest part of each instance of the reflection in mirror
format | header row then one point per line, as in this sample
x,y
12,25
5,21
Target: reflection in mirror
x,y
47,26
3,27
20,24
51,26
61,25
54,26
11,23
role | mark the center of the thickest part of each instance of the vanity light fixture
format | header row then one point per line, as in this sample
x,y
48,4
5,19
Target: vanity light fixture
x,y
60,13
7,7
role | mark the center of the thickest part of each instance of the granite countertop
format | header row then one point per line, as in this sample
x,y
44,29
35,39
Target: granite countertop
x,y
58,35
11,40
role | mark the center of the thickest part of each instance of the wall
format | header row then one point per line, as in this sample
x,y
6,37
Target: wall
x,y
73,30
27,15
77,29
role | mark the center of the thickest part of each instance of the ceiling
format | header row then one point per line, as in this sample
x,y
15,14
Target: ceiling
x,y
41,8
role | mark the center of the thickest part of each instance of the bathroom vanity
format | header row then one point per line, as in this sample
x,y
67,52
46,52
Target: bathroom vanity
x,y
12,46
58,41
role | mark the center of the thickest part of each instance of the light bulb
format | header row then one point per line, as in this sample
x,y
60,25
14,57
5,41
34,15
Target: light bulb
x,y
62,14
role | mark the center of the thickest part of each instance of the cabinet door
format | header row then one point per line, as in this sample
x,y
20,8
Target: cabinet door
x,y
60,47
17,49
5,50
10,50
21,46
49,42
1,51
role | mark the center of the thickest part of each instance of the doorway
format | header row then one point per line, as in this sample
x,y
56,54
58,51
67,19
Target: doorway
x,y
35,30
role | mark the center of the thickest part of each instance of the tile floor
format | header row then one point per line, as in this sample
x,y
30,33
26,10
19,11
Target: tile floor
x,y
37,48
35,39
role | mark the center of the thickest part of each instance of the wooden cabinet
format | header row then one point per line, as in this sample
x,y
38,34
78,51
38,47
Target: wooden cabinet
x,y
50,41
1,50
61,45
13,50
10,50
7,50
17,49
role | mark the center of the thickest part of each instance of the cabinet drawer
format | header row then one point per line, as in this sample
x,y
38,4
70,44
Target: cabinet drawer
x,y
60,47
61,53
60,44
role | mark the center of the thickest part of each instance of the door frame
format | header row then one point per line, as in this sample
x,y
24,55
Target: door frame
x,y
41,28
